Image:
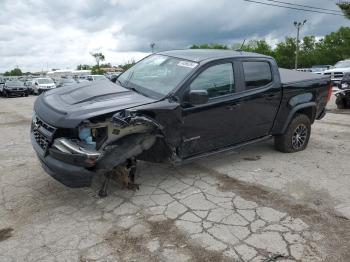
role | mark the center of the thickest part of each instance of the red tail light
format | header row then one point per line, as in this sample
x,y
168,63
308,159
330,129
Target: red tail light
x,y
330,91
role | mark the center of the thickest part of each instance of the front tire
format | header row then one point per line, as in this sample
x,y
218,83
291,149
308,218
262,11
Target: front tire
x,y
296,137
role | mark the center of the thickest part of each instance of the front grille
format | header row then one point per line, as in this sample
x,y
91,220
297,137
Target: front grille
x,y
38,122
338,75
335,74
42,141
42,132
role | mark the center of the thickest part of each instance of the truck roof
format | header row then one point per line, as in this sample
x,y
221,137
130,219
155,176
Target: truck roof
x,y
198,55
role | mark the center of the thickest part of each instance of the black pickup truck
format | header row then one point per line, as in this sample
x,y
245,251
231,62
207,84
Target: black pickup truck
x,y
175,106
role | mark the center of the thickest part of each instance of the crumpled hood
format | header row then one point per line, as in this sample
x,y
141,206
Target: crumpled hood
x,y
66,107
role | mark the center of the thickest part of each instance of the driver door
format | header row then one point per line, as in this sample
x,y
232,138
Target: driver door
x,y
212,125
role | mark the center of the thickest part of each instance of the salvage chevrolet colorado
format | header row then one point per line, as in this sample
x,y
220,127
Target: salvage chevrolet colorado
x,y
174,106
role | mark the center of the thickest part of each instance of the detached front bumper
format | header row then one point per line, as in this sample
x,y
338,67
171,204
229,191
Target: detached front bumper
x,y
70,168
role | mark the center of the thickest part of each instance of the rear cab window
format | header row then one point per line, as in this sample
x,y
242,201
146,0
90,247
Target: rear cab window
x,y
256,74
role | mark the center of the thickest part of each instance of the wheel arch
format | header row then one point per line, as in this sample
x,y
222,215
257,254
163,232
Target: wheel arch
x,y
309,109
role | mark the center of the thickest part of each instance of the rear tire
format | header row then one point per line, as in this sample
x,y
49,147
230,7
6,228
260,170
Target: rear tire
x,y
296,137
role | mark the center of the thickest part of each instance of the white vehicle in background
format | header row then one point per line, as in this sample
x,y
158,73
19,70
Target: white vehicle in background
x,y
41,85
337,73
319,69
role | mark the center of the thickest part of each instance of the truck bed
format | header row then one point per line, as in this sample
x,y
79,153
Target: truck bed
x,y
291,76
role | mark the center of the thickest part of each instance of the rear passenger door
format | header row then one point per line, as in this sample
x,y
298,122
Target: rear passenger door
x,y
260,97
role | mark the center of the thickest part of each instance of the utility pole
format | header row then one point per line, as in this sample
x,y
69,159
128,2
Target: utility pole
x,y
298,26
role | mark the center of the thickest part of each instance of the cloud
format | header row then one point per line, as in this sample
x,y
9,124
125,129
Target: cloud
x,y
41,34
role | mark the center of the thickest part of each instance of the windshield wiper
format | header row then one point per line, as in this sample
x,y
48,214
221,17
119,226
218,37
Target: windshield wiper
x,y
136,91
120,83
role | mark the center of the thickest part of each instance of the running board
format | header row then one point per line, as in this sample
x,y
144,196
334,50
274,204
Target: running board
x,y
223,150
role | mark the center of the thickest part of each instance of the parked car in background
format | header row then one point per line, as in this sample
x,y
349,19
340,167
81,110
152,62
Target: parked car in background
x,y
13,88
319,69
337,73
2,82
66,82
29,86
113,77
42,84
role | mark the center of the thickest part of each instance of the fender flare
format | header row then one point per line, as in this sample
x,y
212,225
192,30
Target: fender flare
x,y
297,108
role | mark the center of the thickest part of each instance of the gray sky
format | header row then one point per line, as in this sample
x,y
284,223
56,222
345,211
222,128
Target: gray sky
x,y
41,34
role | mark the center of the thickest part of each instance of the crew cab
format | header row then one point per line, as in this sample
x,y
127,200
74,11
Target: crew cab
x,y
175,106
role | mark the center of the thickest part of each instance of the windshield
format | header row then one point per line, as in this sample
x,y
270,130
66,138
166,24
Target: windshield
x,y
343,64
156,75
45,81
14,83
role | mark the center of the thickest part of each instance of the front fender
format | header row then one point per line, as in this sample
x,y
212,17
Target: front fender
x,y
124,149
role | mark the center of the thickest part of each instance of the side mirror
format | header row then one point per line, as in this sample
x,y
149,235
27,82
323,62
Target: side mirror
x,y
198,97
36,83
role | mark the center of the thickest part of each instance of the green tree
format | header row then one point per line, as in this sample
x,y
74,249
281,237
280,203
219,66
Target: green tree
x,y
345,7
258,46
307,57
128,64
13,72
99,57
83,67
285,53
334,46
108,65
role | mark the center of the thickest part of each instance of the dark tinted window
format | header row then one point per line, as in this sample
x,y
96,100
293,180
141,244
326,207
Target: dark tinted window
x,y
217,80
257,74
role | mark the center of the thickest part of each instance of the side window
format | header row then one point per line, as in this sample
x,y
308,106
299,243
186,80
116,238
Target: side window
x,y
256,74
217,80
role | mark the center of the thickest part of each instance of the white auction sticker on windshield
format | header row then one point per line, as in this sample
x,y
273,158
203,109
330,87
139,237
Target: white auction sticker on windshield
x,y
187,64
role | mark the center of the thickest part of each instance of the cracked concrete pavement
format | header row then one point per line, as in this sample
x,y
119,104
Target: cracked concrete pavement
x,y
254,205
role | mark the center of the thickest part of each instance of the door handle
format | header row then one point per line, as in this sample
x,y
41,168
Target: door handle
x,y
269,96
231,107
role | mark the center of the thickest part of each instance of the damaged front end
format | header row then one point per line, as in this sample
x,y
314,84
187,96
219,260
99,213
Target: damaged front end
x,y
97,145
